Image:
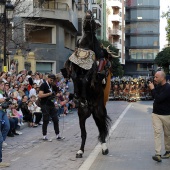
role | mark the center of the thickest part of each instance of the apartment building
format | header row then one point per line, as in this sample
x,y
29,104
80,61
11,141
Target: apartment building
x,y
115,24
142,36
96,7
49,29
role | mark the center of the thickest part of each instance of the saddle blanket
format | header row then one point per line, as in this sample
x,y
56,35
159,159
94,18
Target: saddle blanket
x,y
83,58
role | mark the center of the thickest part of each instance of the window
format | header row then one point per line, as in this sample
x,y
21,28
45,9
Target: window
x,y
145,27
38,34
72,42
44,67
79,27
66,39
150,56
139,56
94,10
79,6
146,54
144,41
144,14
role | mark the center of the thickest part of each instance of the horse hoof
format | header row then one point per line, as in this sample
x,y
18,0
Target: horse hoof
x,y
105,152
79,155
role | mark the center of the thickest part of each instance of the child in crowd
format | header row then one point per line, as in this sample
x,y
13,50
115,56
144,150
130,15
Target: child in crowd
x,y
17,114
31,108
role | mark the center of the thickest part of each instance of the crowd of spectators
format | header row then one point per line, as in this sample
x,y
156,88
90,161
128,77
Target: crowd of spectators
x,y
22,91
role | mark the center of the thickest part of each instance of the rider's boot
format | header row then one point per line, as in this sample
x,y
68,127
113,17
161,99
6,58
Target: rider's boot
x,y
101,65
101,72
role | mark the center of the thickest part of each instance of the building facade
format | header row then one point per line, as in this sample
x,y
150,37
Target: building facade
x,y
142,36
49,29
115,21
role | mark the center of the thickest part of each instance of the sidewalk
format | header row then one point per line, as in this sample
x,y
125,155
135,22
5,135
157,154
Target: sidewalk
x,y
131,144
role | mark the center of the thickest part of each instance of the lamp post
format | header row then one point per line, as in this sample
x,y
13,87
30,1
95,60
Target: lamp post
x,y
6,12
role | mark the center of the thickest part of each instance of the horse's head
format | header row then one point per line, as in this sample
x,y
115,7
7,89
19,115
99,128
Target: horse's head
x,y
89,24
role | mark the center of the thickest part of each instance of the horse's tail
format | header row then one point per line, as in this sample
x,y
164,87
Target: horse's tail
x,y
104,131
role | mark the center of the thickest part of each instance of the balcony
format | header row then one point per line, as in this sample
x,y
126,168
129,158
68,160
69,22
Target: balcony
x,y
116,18
114,32
51,10
114,4
117,45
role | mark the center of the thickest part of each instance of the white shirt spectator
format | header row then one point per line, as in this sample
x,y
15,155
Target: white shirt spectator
x,y
32,92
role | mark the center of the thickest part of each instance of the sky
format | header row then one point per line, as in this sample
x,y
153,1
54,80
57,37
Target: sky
x,y
163,8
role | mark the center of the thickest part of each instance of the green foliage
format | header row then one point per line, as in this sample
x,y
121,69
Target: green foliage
x,y
163,59
112,48
167,28
116,68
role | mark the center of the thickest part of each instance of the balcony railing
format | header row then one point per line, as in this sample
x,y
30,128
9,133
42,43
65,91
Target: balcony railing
x,y
117,45
116,18
116,3
51,5
114,32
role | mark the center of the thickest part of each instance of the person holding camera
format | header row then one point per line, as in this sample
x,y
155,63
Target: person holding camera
x,y
4,124
161,114
47,94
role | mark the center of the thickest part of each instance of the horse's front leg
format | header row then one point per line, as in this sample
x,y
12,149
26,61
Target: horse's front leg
x,y
82,122
83,114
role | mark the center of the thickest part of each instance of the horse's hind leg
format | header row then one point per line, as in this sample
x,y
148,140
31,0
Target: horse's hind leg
x,y
83,114
102,121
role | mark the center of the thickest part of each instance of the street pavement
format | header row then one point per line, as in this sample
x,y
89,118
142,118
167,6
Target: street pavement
x,y
29,152
130,143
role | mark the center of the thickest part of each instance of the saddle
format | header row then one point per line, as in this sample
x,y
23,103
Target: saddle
x,y
83,58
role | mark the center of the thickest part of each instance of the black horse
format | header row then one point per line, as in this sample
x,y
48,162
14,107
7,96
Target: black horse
x,y
88,86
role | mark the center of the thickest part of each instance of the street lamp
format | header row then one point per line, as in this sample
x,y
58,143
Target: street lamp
x,y
6,12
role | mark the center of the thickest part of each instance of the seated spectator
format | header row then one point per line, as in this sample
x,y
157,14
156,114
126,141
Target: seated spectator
x,y
27,115
16,113
31,109
37,79
36,111
15,93
20,92
33,90
13,120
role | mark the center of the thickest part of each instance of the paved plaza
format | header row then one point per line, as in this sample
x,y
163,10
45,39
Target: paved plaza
x,y
131,143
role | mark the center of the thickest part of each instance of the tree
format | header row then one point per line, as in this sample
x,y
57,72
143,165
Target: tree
x,y
163,59
15,37
116,68
167,28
